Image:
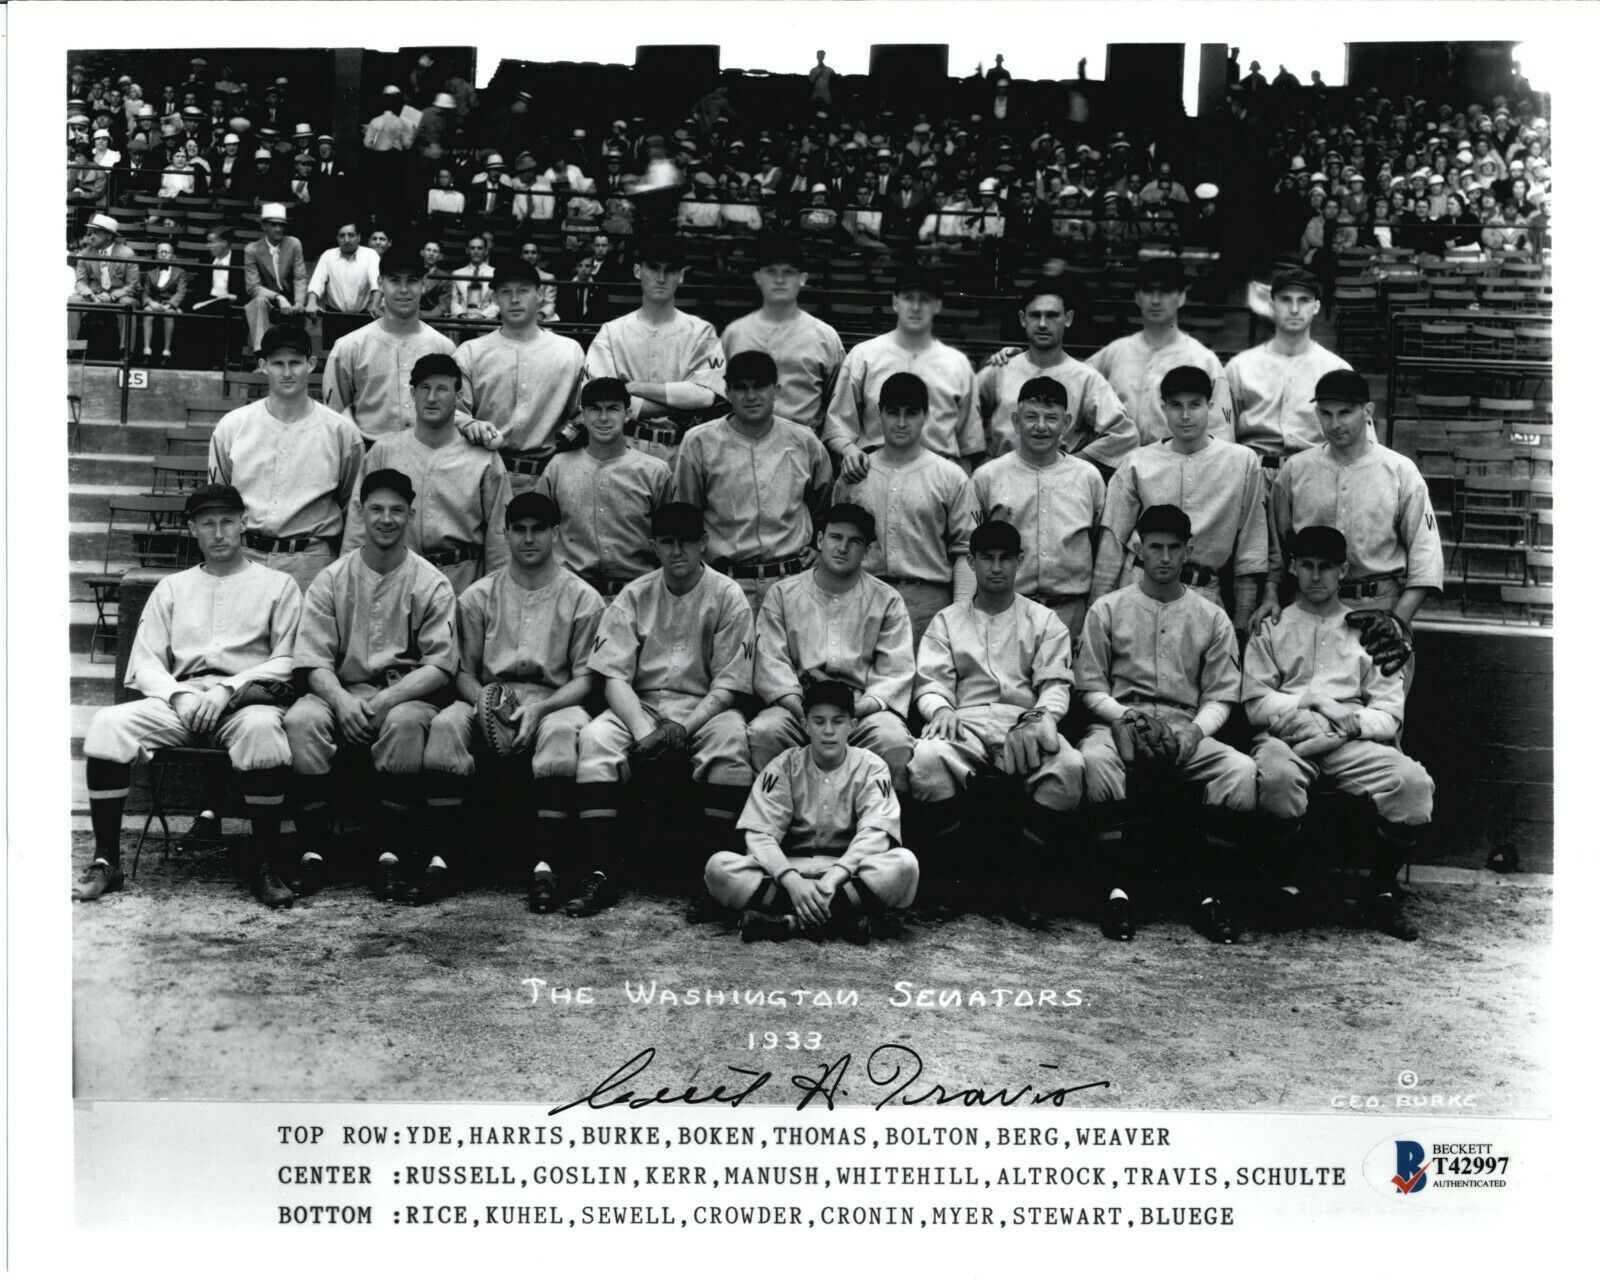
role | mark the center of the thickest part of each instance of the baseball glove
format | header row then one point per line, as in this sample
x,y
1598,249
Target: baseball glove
x,y
496,705
1143,739
1384,636
271,693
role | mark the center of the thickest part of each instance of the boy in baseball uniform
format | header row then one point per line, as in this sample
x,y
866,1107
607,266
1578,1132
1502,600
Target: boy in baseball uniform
x,y
671,361
994,679
1054,500
835,622
808,351
821,829
377,644
674,649
458,519
529,627
521,377
1159,652
1216,483
952,430
211,658
1322,707
920,502
1135,366
606,492
760,480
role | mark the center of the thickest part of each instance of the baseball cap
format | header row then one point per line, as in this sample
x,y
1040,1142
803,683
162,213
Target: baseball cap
x,y
1043,391
435,364
510,268
1186,379
1164,518
914,276
660,251
1320,542
751,366
772,250
903,389
858,517
829,693
284,337
1160,273
680,520
995,535
604,391
538,507
390,479
208,497
1296,279
1342,384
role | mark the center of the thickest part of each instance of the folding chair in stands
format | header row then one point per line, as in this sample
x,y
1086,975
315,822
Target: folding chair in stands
x,y
1429,406
1539,462
189,440
1506,410
158,537
1440,339
1541,568
1532,342
1544,533
1453,299
1536,603
1491,341
1479,461
178,473
1473,432
1492,520
207,412
1356,320
162,760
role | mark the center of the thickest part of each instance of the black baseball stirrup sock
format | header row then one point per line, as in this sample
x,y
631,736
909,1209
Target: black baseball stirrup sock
x,y
1396,843
597,826
555,802
721,805
397,813
312,791
1039,849
108,793
446,809
265,792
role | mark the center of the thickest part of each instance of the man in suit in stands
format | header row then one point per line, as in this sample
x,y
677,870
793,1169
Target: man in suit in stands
x,y
105,275
275,274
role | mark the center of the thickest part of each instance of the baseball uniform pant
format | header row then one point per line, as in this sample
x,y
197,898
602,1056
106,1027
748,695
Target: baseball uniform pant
x,y
883,733
719,752
253,736
1400,788
923,600
314,737
734,878
1229,776
940,769
1071,610
302,566
454,732
461,575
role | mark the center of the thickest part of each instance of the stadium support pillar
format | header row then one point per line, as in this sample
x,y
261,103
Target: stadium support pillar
x,y
1213,79
346,122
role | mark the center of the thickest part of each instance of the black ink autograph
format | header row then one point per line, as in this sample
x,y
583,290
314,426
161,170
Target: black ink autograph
x,y
897,1068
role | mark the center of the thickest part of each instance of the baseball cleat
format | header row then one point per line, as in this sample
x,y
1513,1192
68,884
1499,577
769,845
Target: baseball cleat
x,y
1116,920
595,894
856,929
1388,916
1284,912
270,889
389,885
202,831
98,879
1214,922
759,926
1026,916
542,892
434,884
310,874
704,909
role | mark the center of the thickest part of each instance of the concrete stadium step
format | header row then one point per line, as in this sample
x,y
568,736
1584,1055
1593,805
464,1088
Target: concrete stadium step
x,y
90,502
144,438
161,402
86,539
93,683
109,469
79,570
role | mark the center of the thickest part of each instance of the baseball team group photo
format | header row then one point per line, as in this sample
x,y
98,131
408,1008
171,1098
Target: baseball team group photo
x,y
569,524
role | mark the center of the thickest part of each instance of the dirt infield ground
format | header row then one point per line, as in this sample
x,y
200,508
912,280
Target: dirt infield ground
x,y
185,987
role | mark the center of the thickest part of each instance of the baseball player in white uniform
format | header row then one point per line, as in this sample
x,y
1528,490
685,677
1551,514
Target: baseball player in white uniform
x,y
294,460
1216,483
1135,365
674,649
1323,707
211,658
1379,501
1158,651
808,351
606,492
521,377
672,361
529,626
952,431
1098,428
377,644
835,622
921,504
457,522
994,680
1053,499
821,832
760,480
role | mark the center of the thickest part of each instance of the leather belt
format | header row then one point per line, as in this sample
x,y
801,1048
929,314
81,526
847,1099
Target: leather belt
x,y
769,568
527,464
605,586
911,582
1055,602
456,555
260,542
1271,461
1369,588
667,433
1197,575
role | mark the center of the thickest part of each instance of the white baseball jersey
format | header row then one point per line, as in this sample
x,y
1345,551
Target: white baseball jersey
x,y
684,354
861,637
1220,489
757,495
1057,511
663,643
1304,653
808,353
296,478
358,623
798,806
606,507
1020,657
543,637
1379,502
1098,426
1134,370
1272,407
234,628
923,511
368,378
952,428
527,389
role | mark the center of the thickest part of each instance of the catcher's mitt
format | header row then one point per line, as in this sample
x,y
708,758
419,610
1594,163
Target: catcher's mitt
x,y
1143,739
496,704
1384,636
271,693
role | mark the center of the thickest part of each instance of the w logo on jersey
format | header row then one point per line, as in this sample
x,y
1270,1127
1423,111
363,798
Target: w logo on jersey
x,y
598,641
769,780
882,784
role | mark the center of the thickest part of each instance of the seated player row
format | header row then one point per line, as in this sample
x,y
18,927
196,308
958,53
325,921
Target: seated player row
x,y
396,669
